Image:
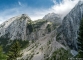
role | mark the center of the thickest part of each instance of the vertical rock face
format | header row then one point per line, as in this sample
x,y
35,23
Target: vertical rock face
x,y
68,31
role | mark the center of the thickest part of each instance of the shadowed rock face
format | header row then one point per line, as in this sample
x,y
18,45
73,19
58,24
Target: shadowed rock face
x,y
68,31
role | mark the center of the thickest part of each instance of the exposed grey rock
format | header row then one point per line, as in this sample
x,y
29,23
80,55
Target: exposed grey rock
x,y
68,31
42,48
73,52
54,18
42,31
15,28
21,27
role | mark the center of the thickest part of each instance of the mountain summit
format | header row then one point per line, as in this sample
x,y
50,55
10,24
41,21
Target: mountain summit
x,y
15,27
54,18
49,38
70,26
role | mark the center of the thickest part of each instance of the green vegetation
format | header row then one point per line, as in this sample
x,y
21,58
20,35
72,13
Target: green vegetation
x,y
60,54
32,41
10,46
37,52
4,42
31,56
46,56
49,42
41,48
49,27
33,25
30,26
80,40
2,55
23,43
39,23
14,51
54,26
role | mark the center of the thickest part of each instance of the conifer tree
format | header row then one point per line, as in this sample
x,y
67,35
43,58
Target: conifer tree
x,y
2,55
14,51
80,39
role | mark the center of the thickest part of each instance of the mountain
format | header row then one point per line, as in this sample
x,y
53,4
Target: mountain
x,y
54,18
23,28
44,48
49,38
15,28
68,31
41,35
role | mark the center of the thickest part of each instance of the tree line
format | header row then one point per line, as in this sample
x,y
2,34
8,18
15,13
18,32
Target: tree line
x,y
13,52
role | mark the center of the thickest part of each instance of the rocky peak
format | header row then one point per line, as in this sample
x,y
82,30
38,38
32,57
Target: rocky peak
x,y
54,18
68,31
51,15
21,27
25,16
15,27
80,2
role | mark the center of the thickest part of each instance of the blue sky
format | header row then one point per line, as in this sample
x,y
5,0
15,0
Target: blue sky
x,y
30,3
36,9
7,4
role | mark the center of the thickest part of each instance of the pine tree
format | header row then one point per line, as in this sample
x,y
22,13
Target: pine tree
x,y
2,55
80,40
14,51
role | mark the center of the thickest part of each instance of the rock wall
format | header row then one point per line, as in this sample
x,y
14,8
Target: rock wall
x,y
69,29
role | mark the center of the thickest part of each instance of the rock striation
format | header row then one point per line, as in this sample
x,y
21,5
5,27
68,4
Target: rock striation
x,y
68,31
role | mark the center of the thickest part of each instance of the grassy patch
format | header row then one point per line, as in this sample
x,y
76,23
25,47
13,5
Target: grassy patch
x,y
33,25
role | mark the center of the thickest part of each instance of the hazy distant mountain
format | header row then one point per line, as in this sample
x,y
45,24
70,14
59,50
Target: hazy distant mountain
x,y
54,18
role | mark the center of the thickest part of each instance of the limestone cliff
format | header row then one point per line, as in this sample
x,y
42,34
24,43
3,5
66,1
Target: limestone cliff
x,y
68,31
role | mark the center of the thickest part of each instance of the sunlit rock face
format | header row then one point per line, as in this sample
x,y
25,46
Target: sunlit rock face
x,y
15,28
51,35
23,28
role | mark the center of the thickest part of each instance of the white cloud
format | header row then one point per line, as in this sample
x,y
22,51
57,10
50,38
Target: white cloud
x,y
63,8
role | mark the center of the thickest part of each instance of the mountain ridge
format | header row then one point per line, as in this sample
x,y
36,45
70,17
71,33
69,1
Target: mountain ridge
x,y
49,38
70,26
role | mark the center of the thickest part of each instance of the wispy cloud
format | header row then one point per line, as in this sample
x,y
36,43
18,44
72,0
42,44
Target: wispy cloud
x,y
19,3
62,8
